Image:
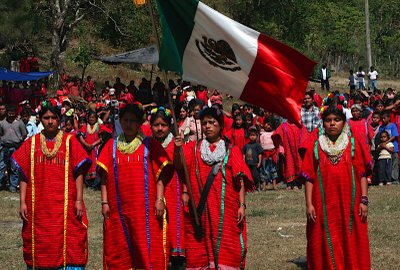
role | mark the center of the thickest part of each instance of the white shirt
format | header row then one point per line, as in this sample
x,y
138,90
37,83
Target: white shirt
x,y
324,74
373,75
360,76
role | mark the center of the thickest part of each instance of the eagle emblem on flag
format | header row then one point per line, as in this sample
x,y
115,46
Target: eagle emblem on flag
x,y
218,53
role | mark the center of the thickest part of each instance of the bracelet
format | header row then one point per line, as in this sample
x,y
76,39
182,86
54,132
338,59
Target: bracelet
x,y
79,201
185,192
162,199
364,200
104,202
242,205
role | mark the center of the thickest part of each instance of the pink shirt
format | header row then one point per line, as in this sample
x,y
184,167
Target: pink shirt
x,y
266,141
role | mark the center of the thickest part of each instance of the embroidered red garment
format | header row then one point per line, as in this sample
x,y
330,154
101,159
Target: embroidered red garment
x,y
362,131
48,205
219,219
143,229
237,137
287,136
90,139
350,249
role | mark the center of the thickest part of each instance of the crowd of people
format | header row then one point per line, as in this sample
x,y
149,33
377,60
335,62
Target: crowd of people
x,y
96,139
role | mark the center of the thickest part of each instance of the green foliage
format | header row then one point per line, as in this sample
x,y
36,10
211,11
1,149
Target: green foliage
x,y
83,56
327,31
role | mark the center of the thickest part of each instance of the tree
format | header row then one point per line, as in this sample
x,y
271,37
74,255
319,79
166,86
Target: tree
x,y
83,57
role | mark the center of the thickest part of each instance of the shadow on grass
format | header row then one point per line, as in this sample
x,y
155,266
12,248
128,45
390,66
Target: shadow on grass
x,y
301,262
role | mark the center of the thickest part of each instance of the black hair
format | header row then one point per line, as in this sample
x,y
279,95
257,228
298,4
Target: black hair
x,y
377,102
235,107
49,107
270,120
163,114
385,114
384,132
90,113
69,119
26,111
376,113
333,109
134,108
241,115
214,113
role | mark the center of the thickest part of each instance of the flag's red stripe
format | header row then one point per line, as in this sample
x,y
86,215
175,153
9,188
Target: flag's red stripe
x,y
278,79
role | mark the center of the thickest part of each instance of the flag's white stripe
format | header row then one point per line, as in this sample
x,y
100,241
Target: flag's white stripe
x,y
243,41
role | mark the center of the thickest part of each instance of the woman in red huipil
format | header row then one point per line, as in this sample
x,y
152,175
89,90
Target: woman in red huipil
x,y
222,241
135,170
237,134
161,122
335,166
55,225
89,137
287,139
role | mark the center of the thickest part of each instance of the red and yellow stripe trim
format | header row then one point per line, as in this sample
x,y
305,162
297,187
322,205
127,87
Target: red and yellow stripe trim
x,y
165,163
102,165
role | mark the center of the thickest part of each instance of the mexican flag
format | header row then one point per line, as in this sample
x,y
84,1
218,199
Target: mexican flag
x,y
208,48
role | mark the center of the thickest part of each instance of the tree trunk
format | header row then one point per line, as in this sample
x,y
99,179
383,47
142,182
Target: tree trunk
x,y
55,62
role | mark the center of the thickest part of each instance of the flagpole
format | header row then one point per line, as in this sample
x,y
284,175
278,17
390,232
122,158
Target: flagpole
x,y
175,124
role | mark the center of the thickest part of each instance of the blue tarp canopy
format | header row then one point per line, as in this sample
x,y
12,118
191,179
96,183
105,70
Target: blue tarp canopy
x,y
9,75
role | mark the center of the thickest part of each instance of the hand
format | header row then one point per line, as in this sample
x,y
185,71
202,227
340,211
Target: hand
x,y
23,212
363,212
185,199
89,147
105,210
311,213
179,140
259,166
241,214
159,208
79,209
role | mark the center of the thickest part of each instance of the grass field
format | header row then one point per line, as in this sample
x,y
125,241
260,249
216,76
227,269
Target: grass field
x,y
276,229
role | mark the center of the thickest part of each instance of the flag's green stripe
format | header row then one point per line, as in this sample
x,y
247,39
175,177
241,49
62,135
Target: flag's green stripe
x,y
177,21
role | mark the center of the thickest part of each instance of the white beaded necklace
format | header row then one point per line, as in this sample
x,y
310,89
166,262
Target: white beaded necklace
x,y
211,157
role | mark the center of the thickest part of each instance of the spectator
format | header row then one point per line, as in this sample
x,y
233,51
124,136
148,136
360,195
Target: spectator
x,y
385,150
324,74
310,114
119,87
30,125
252,155
352,82
360,79
13,133
393,137
269,172
373,79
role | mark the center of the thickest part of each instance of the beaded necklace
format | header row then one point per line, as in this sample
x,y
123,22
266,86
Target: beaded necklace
x,y
128,148
51,154
91,130
334,151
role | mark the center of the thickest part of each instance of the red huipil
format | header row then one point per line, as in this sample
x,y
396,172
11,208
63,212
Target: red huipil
x,y
350,249
50,208
132,207
362,131
176,225
287,136
224,241
237,137
90,138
